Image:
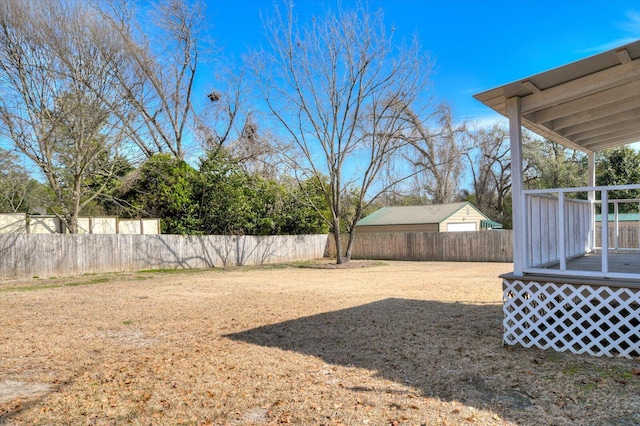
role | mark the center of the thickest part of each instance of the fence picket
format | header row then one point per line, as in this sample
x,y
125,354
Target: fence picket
x,y
47,255
484,246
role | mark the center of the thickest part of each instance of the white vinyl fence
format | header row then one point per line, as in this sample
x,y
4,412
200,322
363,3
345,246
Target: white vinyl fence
x,y
29,255
23,223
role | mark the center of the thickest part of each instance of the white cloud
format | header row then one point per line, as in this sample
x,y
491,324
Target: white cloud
x,y
630,32
488,121
611,45
632,26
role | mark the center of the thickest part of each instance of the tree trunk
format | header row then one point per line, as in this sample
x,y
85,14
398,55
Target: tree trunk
x,y
352,237
338,239
71,223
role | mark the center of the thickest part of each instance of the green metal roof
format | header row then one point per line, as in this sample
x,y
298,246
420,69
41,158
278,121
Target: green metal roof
x,y
413,215
622,217
490,224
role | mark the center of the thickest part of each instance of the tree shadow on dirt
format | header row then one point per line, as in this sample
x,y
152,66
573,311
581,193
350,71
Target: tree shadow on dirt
x,y
449,351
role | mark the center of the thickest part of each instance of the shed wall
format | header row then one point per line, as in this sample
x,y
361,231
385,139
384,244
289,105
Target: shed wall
x,y
466,214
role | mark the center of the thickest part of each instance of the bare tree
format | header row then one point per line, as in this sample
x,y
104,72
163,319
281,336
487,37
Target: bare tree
x,y
224,116
46,53
339,86
156,68
437,154
490,165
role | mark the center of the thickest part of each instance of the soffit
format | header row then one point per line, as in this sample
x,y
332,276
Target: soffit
x,y
590,105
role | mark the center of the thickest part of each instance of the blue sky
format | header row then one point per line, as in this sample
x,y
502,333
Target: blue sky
x,y
476,45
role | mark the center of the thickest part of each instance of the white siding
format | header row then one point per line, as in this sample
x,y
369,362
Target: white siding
x,y
467,214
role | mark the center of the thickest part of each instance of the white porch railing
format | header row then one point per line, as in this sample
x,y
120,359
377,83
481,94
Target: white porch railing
x,y
631,235
559,227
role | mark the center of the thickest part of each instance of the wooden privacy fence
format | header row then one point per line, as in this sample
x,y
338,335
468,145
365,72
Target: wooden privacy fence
x,y
24,255
483,246
628,237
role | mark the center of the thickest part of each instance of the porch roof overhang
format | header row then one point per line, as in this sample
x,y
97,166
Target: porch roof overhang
x,y
589,105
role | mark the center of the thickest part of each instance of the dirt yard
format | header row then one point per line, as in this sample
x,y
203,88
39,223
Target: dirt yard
x,y
387,344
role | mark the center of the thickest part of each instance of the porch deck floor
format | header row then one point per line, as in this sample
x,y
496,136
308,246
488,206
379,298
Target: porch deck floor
x,y
628,263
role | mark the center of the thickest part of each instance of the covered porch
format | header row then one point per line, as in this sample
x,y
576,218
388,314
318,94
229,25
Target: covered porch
x,y
574,286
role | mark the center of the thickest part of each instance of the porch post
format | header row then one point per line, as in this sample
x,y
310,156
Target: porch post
x,y
591,196
515,137
591,170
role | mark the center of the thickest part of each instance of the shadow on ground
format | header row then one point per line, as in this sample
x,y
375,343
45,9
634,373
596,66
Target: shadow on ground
x,y
448,351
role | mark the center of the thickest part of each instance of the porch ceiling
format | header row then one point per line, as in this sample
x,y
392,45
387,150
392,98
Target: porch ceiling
x,y
590,105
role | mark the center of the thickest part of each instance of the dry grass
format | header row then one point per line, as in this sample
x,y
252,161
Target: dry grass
x,y
400,343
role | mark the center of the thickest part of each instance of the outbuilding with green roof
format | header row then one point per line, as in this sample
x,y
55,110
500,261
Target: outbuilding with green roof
x,y
453,217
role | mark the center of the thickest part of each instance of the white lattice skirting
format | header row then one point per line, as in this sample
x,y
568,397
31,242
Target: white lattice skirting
x,y
595,320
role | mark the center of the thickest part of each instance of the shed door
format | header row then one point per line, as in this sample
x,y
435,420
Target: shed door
x,y
458,227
